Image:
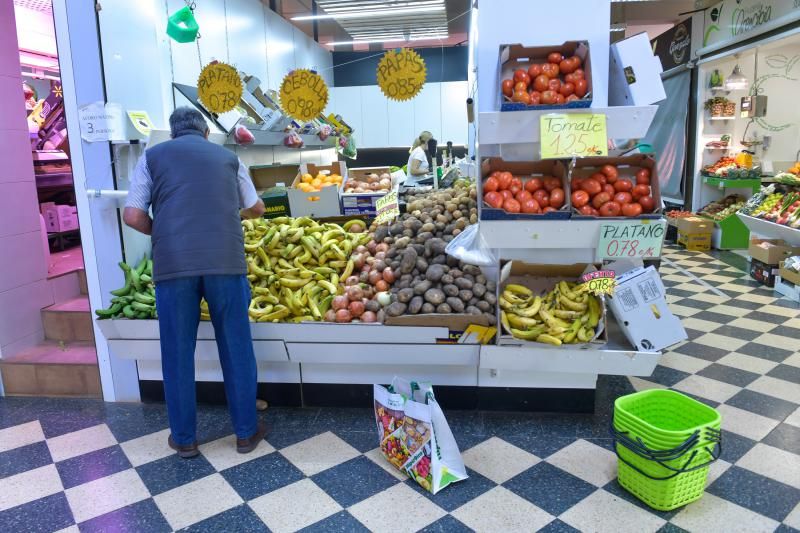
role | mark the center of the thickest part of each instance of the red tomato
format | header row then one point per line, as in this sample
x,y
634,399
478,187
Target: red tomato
x,y
581,88
516,182
521,96
554,85
494,199
610,209
623,185
569,78
548,97
511,205
550,70
588,210
514,190
557,197
600,177
580,198
567,89
523,195
533,184
566,66
647,203
504,180
506,194
520,86
578,73
600,198
542,198
540,83
575,184
560,98
551,182
532,206
641,190
623,198
491,184
592,186
521,75
577,60
508,87
643,176
549,209
554,57
534,70
536,97
609,171
633,209
572,98
609,189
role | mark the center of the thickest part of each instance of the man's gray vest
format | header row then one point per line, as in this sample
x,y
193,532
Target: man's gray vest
x,y
195,198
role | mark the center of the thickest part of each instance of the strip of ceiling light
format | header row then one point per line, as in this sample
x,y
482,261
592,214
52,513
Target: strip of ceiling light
x,y
344,14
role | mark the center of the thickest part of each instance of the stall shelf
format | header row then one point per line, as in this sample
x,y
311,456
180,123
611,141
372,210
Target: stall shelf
x,y
721,183
771,230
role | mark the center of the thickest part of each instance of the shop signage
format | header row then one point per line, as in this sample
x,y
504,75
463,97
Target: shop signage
x,y
401,74
573,135
304,94
631,239
674,46
101,122
219,87
731,20
387,208
598,282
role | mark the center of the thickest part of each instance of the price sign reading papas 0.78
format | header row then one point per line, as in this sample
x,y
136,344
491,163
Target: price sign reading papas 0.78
x,y
573,135
630,239
219,87
304,94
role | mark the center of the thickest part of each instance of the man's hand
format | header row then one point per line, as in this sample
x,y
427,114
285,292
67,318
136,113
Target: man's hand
x,y
257,210
138,220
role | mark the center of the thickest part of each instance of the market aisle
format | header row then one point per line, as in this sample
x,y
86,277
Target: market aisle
x,y
107,466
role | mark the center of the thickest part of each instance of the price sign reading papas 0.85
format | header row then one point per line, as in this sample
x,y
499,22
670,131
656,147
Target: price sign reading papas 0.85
x,y
304,94
401,74
631,239
219,87
573,135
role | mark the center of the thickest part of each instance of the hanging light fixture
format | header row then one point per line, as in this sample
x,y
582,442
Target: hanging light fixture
x,y
737,81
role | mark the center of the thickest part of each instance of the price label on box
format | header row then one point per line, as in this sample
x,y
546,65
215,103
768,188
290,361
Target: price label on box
x,y
566,135
387,207
631,239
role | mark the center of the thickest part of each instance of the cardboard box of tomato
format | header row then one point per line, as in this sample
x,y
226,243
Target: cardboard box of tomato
x,y
542,182
551,77
615,187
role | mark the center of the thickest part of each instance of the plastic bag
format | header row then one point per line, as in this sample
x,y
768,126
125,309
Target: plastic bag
x,y
324,132
243,136
470,247
293,140
347,147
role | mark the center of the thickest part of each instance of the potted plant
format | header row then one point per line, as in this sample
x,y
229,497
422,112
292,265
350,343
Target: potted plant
x,y
729,108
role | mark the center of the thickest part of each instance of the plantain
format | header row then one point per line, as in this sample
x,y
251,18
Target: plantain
x,y
518,289
572,305
572,333
114,310
585,334
529,334
532,310
548,339
521,322
594,312
505,323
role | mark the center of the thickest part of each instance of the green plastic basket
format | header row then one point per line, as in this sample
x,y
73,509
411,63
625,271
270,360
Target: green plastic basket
x,y
665,414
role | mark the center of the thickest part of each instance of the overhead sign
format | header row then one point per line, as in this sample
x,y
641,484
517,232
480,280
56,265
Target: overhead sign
x,y
573,135
401,74
304,94
101,122
631,239
731,20
674,46
219,87
387,208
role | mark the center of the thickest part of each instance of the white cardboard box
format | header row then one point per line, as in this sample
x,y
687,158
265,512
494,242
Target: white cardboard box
x,y
640,307
634,77
60,218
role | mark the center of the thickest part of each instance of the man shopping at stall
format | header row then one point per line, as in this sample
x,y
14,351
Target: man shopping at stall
x,y
198,192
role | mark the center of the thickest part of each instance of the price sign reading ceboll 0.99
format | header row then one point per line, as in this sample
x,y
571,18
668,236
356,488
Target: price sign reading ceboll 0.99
x,y
219,87
401,74
631,239
304,94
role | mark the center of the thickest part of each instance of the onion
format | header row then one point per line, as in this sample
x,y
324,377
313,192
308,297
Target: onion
x,y
370,260
330,316
351,280
359,189
339,302
372,246
379,265
385,184
364,276
388,275
384,298
356,309
372,178
375,186
360,249
381,285
374,276
366,268
356,228
354,293
382,247
369,316
380,255
343,315
358,260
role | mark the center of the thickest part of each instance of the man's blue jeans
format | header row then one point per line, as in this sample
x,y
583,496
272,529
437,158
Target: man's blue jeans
x,y
178,305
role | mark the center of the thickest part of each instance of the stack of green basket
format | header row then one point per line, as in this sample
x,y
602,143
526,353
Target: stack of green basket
x,y
665,442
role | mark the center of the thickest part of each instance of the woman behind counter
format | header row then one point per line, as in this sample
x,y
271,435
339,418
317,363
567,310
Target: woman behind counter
x,y
418,158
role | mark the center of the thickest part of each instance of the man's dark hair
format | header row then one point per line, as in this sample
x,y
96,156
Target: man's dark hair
x,y
186,118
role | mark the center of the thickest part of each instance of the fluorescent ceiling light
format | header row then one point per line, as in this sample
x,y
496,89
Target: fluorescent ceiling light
x,y
389,40
371,14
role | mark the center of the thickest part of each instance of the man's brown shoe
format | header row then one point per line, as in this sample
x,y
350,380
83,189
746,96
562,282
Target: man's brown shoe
x,y
186,452
250,444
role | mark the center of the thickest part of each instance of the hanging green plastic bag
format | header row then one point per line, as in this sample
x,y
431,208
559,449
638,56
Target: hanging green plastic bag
x,y
182,26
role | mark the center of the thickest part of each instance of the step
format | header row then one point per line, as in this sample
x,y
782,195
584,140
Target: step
x,y
52,352
68,321
53,369
82,281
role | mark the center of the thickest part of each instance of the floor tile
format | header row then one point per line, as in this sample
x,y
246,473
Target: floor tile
x,y
793,520
716,469
222,454
148,448
20,435
92,465
129,421
728,374
173,471
733,309
794,418
603,512
707,388
22,458
735,446
363,441
682,362
196,501
745,423
502,510
786,373
700,325
642,384
748,363
587,461
261,475
763,351
793,360
667,376
239,519
557,526
377,457
564,489
106,494
709,353
498,460
43,515
451,498
319,453
721,341
773,463
784,330
762,404
138,517
29,486
341,419
353,481
447,524
279,509
755,492
80,442
754,325
341,521
779,388
507,424
713,514
785,437
383,512
683,311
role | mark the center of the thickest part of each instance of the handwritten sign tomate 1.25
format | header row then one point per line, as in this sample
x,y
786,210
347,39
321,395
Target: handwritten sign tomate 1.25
x,y
219,87
573,135
304,94
401,74
631,239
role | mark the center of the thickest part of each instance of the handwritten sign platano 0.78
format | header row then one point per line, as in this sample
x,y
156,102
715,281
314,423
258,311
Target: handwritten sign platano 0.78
x,y
573,135
304,94
401,74
631,239
219,87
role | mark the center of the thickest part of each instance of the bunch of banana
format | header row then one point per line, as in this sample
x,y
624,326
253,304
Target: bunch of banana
x,y
565,315
137,299
294,266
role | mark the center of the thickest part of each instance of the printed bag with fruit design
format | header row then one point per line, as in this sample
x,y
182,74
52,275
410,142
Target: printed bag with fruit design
x,y
414,435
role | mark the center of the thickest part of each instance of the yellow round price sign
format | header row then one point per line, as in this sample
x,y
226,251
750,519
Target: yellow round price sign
x,y
401,74
304,94
219,87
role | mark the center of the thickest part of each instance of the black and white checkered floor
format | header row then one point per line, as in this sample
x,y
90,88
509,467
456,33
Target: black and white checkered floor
x,y
89,466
